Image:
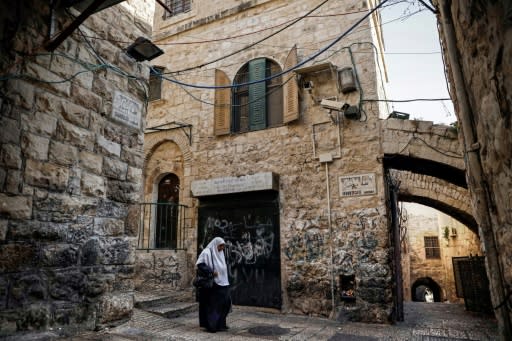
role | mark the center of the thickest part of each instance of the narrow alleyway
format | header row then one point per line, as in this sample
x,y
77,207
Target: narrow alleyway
x,y
423,322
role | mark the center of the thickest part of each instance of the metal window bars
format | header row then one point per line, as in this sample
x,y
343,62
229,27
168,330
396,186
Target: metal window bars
x,y
162,226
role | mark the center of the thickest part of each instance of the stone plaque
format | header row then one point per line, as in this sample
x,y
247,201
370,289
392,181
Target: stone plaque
x,y
357,184
126,110
246,183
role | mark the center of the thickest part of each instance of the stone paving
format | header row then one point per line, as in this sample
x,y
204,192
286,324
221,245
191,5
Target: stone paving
x,y
423,322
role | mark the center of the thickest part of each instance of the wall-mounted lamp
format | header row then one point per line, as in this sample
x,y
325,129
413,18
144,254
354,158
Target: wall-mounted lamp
x,y
143,49
347,80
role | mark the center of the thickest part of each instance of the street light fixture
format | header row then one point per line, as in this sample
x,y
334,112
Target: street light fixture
x,y
143,49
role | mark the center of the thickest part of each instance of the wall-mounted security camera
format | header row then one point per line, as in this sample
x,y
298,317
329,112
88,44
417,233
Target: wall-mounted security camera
x,y
333,105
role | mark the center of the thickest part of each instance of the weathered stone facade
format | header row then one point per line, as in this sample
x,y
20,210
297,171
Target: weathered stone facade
x,y
324,235
457,241
68,167
477,42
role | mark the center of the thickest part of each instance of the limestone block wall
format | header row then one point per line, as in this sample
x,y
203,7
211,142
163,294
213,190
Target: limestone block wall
x,y
70,172
423,221
313,253
160,270
484,48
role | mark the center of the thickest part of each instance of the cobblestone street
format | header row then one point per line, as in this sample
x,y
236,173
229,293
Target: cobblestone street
x,y
425,322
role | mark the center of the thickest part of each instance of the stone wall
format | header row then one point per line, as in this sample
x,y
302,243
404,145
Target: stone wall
x,y
313,253
70,172
483,47
160,271
423,221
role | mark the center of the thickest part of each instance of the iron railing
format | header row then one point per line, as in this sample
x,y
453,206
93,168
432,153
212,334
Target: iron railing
x,y
162,226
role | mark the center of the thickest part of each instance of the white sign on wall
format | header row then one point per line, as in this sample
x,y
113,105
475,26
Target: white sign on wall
x,y
226,185
357,184
126,110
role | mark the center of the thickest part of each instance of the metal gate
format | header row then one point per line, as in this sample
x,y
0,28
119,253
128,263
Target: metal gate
x,y
471,282
249,223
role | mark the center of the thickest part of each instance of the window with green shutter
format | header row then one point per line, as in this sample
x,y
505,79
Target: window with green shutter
x,y
260,105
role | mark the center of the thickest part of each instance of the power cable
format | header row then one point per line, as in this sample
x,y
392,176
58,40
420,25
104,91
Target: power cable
x,y
408,100
313,56
253,44
230,37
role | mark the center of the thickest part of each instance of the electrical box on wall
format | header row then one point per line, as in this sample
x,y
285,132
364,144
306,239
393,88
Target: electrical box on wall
x,y
352,112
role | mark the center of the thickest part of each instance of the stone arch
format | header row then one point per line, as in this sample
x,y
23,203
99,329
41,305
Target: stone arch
x,y
417,289
177,136
164,157
424,148
436,193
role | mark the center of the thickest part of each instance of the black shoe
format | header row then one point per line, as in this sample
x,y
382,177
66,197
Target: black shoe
x,y
211,330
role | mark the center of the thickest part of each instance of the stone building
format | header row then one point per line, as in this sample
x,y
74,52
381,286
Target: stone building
x,y
432,239
286,166
71,157
477,43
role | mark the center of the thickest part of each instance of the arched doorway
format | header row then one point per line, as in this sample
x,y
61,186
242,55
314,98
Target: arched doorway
x,y
426,290
167,212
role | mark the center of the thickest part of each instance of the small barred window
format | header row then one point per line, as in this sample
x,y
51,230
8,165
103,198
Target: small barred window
x,y
432,250
176,7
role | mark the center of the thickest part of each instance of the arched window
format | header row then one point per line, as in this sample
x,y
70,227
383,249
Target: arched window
x,y
260,105
167,212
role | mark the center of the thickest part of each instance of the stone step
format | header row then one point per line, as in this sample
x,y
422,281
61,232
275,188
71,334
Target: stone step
x,y
148,300
174,309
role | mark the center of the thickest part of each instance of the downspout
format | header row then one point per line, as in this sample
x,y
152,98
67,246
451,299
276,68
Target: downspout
x,y
327,184
474,168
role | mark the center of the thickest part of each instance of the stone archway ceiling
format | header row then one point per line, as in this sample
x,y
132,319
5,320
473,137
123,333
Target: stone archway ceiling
x,y
437,193
435,169
459,215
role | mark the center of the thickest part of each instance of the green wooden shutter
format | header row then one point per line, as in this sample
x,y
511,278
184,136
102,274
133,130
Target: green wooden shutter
x,y
257,91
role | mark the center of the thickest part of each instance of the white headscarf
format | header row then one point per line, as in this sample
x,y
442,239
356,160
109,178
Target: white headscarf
x,y
211,253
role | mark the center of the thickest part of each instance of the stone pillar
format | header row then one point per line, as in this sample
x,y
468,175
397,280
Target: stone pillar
x,y
70,166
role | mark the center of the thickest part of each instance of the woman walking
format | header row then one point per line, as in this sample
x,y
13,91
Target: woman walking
x,y
215,302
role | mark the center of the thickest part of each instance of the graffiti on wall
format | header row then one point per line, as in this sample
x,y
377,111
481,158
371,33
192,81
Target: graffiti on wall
x,y
251,233
307,246
159,271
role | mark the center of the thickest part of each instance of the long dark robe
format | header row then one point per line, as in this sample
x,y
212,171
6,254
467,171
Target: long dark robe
x,y
214,307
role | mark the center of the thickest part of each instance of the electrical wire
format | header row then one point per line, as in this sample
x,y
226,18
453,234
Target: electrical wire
x,y
200,73
414,137
230,37
255,43
274,89
313,56
408,100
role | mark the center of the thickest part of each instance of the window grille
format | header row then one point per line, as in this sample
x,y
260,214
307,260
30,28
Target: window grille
x,y
177,7
432,250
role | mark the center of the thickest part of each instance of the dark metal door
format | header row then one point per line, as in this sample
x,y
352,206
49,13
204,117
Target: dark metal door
x,y
472,283
167,212
249,223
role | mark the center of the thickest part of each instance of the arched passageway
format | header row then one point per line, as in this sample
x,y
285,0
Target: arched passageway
x,y
425,289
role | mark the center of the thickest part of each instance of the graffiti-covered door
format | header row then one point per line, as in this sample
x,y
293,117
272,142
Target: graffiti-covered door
x,y
249,223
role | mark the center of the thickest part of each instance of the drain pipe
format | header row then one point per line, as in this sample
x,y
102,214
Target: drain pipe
x,y
474,168
325,159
